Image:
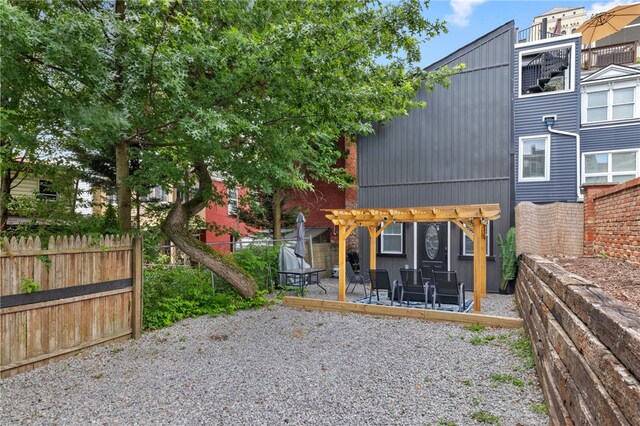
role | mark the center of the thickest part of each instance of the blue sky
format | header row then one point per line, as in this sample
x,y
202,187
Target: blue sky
x,y
470,19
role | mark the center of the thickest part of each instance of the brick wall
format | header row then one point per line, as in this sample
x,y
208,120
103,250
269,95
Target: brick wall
x,y
549,229
612,220
586,346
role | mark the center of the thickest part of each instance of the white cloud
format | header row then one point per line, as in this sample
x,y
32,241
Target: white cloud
x,y
462,10
605,6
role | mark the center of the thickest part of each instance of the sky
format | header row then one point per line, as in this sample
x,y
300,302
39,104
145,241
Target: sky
x,y
468,20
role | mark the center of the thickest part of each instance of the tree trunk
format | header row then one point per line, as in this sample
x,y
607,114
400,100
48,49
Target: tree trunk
x,y
175,226
277,215
5,196
123,192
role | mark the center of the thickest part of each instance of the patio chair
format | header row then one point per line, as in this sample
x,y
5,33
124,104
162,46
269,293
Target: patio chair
x,y
355,279
415,289
449,289
379,281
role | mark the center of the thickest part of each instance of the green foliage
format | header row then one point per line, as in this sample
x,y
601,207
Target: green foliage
x,y
69,224
506,378
475,328
45,259
172,294
486,417
261,262
28,285
521,346
482,340
539,408
509,258
442,422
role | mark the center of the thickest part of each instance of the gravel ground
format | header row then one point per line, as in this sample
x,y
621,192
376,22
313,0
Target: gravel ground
x,y
278,365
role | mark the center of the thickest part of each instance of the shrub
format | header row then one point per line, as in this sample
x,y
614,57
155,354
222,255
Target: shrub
x,y
172,294
509,257
261,262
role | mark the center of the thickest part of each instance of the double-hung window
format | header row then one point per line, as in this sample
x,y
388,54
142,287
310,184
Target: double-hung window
x,y
467,243
614,167
534,158
392,239
618,101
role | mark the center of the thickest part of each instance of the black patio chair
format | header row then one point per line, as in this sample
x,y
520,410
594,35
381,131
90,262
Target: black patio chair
x,y
413,288
355,279
379,281
449,290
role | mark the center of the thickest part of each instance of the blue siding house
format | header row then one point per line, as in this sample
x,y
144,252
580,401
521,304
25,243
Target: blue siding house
x,y
572,126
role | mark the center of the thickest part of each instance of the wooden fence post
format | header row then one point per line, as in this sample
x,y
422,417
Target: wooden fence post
x,y
136,299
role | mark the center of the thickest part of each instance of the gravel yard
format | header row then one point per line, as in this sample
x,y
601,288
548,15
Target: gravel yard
x,y
279,365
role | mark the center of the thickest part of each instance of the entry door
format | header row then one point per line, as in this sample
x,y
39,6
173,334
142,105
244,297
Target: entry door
x,y
432,247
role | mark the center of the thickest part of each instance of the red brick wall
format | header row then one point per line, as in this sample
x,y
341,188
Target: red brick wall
x,y
612,220
219,215
329,196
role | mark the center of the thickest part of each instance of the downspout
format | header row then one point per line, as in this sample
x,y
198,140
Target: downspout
x,y
550,121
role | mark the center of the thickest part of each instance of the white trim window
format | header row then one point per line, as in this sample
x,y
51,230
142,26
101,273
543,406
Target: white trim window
x,y
467,243
534,158
611,102
547,70
610,166
232,200
392,239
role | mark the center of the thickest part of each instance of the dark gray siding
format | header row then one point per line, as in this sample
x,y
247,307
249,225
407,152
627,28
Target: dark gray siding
x,y
528,112
455,151
610,138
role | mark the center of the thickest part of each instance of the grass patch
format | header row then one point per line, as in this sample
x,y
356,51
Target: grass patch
x,y
521,346
498,378
443,422
486,417
475,328
482,340
467,382
539,408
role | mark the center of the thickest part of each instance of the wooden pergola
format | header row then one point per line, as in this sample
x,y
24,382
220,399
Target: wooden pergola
x,y
472,219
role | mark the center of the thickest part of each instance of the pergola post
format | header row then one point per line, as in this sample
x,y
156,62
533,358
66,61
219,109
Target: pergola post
x,y
479,262
342,261
372,247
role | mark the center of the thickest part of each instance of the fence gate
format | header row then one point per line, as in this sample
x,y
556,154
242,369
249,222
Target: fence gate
x,y
76,293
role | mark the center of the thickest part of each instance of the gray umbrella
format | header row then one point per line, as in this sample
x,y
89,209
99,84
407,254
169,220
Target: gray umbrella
x,y
300,250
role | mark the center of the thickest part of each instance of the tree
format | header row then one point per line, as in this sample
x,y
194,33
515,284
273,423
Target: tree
x,y
258,91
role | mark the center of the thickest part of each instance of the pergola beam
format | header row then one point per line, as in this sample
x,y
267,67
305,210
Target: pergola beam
x,y
472,219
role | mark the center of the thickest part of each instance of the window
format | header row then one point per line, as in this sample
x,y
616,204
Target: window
x,y
467,243
620,101
392,239
534,158
45,190
156,194
547,70
616,167
232,199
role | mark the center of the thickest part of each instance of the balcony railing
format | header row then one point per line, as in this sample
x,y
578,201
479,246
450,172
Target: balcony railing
x,y
599,57
535,33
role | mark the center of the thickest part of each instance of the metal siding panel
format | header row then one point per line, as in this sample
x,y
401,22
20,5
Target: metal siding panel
x,y
610,138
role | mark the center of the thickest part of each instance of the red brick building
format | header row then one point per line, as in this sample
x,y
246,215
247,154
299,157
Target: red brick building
x,y
328,196
224,216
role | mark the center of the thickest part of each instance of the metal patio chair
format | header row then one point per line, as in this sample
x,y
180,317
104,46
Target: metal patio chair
x,y
355,279
415,289
380,281
449,289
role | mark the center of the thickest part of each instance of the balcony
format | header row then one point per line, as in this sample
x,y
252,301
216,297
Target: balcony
x,y
536,32
600,57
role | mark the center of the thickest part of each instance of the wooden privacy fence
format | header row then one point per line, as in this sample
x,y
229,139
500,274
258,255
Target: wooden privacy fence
x,y
76,293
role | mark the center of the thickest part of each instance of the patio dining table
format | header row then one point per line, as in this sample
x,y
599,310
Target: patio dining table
x,y
302,277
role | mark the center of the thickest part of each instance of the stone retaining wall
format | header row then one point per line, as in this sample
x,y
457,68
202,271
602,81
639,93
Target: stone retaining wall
x,y
586,344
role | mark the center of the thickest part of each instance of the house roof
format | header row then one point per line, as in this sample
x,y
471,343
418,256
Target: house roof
x,y
612,71
558,10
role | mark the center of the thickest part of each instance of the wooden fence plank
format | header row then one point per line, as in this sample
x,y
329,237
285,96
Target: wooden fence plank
x,y
32,334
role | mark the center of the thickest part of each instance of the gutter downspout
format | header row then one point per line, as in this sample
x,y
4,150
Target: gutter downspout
x,y
577,136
